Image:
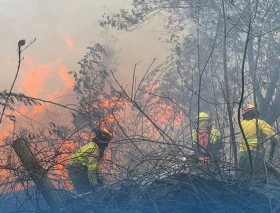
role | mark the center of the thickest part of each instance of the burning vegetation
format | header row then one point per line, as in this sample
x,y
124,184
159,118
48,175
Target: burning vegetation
x,y
177,138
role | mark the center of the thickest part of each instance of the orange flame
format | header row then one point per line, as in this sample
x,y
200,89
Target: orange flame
x,y
68,41
165,114
63,73
36,80
66,147
9,126
41,79
34,77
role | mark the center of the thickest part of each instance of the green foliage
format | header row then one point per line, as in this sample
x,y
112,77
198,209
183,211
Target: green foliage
x,y
96,98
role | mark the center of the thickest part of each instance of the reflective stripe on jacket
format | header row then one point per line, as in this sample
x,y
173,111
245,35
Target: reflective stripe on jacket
x,y
213,137
250,130
87,156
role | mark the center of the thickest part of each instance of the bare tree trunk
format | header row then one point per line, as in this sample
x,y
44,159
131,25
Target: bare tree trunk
x,y
200,79
242,94
227,91
255,88
38,175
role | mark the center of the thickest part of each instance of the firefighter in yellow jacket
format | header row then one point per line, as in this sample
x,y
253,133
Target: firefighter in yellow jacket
x,y
206,142
265,131
83,165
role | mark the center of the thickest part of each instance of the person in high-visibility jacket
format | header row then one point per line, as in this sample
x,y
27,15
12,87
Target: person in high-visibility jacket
x,y
83,165
265,131
206,142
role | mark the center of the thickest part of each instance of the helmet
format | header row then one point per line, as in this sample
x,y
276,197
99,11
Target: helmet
x,y
104,133
203,116
248,108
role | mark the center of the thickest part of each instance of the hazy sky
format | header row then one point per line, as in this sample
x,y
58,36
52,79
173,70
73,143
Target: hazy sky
x,y
63,29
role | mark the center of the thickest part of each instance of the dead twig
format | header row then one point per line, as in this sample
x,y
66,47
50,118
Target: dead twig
x,y
21,43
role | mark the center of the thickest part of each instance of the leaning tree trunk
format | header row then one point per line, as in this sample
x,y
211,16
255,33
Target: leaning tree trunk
x,y
38,175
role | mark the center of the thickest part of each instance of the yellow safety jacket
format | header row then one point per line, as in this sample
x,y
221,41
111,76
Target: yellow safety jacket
x,y
250,130
87,156
213,137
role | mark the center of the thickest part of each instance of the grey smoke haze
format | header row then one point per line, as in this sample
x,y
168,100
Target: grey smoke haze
x,y
63,29
52,21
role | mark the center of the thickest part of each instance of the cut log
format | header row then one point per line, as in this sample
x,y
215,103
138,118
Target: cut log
x,y
38,175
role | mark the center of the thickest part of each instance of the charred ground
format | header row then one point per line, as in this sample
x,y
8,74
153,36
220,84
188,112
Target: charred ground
x,y
177,193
